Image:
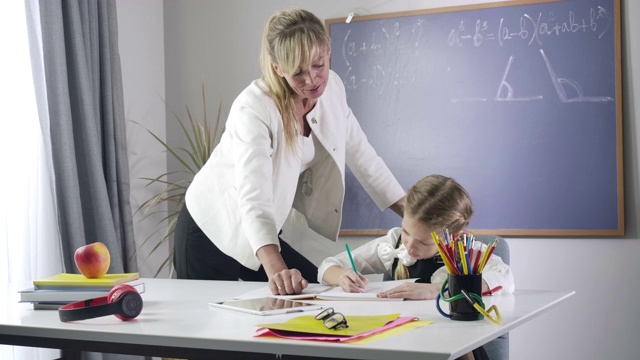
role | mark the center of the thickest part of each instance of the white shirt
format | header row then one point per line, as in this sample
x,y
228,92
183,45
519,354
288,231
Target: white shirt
x,y
309,145
376,257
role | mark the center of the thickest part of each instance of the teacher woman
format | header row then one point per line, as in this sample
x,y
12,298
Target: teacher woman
x,y
287,140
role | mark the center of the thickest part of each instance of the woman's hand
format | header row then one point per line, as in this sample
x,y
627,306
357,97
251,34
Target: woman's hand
x,y
413,291
352,282
282,280
287,282
398,206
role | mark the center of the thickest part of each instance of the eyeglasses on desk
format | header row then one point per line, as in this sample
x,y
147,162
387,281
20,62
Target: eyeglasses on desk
x,y
332,320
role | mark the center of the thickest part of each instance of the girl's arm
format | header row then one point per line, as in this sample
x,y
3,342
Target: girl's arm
x,y
413,291
497,273
365,257
346,278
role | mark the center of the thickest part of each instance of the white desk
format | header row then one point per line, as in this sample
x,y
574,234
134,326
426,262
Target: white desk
x,y
177,321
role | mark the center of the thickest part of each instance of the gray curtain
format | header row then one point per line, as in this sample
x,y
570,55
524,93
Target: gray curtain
x,y
87,126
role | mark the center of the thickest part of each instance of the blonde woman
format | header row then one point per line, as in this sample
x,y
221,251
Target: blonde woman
x,y
288,138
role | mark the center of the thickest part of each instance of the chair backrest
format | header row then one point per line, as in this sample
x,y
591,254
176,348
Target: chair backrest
x,y
502,249
498,349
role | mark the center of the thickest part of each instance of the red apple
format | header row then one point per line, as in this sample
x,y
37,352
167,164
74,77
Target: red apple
x,y
93,260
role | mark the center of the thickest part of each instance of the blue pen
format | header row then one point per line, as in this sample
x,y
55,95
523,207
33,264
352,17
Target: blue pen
x,y
353,263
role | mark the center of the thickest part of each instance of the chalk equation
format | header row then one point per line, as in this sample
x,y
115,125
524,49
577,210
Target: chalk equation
x,y
390,44
387,55
531,29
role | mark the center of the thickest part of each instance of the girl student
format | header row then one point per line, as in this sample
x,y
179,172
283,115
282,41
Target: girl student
x,y
434,203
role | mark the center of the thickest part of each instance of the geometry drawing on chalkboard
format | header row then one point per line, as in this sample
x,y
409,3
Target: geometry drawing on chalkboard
x,y
505,85
558,83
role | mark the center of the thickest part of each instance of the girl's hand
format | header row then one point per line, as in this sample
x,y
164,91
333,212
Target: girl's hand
x,y
287,282
413,291
352,282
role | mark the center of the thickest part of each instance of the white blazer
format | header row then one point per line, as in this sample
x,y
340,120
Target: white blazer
x,y
244,193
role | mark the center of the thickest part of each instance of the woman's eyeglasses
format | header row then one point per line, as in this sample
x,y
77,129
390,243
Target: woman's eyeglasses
x,y
332,320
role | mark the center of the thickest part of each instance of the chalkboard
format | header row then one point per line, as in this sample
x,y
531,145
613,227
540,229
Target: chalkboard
x,y
518,101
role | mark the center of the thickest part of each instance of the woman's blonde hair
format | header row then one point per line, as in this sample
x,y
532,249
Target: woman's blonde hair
x,y
439,202
291,40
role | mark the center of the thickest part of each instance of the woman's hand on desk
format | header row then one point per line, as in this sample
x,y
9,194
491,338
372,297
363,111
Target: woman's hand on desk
x,y
282,280
287,282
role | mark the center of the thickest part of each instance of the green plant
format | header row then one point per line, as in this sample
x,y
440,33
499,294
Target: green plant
x,y
202,139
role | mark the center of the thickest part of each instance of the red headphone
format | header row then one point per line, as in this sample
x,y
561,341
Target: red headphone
x,y
123,301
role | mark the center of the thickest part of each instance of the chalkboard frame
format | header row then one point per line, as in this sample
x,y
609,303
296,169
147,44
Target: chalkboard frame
x,y
620,228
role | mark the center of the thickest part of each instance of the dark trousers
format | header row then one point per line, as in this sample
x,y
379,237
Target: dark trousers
x,y
196,257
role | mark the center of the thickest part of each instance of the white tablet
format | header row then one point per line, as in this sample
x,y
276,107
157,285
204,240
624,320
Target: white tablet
x,y
266,306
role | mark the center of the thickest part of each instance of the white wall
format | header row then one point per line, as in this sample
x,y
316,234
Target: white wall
x,y
141,41
217,43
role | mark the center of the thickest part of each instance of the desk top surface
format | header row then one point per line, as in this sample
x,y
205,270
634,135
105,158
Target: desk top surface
x,y
177,313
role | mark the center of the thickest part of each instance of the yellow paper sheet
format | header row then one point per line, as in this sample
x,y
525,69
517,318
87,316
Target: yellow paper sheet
x,y
357,324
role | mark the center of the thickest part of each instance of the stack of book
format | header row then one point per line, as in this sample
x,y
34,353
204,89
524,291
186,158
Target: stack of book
x,y
54,291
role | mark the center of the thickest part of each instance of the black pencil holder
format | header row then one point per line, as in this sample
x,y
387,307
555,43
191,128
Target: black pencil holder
x,y
461,309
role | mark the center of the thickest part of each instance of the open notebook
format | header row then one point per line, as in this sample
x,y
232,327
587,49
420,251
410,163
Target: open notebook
x,y
326,292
